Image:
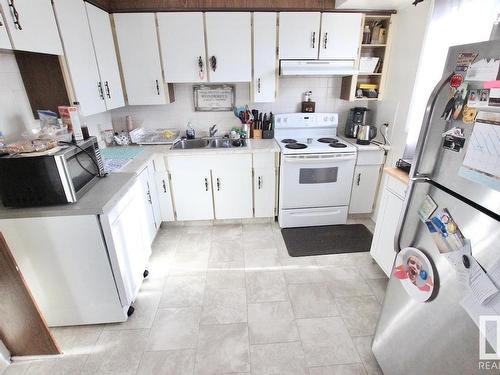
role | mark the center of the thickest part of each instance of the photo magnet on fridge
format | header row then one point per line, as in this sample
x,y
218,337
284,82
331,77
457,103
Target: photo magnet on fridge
x,y
427,208
445,232
454,139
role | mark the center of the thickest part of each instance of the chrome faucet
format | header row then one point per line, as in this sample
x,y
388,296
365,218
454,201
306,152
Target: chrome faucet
x,y
212,130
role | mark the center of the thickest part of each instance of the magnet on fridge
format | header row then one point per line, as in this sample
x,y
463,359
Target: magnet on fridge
x,y
427,208
453,143
469,115
456,80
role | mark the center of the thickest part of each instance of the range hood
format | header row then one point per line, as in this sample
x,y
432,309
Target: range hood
x,y
317,68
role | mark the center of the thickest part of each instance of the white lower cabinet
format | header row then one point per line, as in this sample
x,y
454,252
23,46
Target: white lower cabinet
x,y
264,185
365,180
232,184
391,205
215,187
164,196
4,36
150,214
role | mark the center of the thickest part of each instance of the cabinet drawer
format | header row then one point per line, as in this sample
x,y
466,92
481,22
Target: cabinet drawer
x,y
370,157
264,160
396,186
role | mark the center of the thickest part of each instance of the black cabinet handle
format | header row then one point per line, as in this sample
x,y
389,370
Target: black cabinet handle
x,y
108,92
213,63
258,85
314,39
101,93
206,184
15,15
164,186
259,182
326,40
218,184
359,179
158,87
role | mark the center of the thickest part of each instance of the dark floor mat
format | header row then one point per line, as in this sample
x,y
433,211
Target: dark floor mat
x,y
330,239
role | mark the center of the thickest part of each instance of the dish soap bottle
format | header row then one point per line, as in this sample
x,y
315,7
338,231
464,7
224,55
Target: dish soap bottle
x,y
190,134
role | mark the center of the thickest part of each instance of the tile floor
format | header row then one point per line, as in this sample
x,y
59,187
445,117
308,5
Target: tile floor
x,y
227,299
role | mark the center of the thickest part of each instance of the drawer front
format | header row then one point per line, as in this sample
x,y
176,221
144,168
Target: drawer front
x,y
370,157
313,216
264,160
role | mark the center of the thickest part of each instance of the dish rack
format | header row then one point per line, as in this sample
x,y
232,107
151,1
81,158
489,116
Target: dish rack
x,y
146,136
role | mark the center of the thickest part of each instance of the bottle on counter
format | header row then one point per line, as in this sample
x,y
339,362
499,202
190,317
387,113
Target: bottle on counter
x,y
367,35
190,133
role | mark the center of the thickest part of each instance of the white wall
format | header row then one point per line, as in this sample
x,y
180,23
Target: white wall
x,y
326,94
4,357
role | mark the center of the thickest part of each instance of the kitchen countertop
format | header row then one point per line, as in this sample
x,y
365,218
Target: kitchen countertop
x,y
370,147
398,174
107,191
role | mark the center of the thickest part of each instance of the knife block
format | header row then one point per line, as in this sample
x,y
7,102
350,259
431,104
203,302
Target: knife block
x,y
268,134
257,133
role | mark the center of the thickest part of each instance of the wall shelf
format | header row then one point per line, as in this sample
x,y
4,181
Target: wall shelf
x,y
381,51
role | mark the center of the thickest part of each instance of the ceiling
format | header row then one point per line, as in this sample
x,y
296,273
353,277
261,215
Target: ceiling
x,y
372,4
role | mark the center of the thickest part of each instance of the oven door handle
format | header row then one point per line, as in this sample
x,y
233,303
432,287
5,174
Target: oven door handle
x,y
307,159
321,213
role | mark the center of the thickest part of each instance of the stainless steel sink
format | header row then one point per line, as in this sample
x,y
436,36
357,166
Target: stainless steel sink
x,y
185,144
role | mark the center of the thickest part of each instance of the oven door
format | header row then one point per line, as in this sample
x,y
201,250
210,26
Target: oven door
x,y
316,180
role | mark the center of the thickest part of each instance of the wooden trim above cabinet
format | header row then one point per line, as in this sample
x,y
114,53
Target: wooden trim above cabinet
x,y
126,6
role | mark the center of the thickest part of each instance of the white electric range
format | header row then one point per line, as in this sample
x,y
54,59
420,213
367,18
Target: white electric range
x,y
316,171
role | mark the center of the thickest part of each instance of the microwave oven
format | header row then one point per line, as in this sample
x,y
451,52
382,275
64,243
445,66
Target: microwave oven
x,y
53,178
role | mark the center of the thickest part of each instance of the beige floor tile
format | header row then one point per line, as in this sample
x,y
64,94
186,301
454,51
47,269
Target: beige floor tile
x,y
378,287
117,352
77,339
224,251
280,358
226,277
360,314
175,328
194,242
271,322
227,232
364,347
65,365
354,369
266,286
326,341
301,270
262,259
346,282
258,228
187,262
222,349
312,300
371,271
344,260
17,368
183,291
223,306
171,362
145,304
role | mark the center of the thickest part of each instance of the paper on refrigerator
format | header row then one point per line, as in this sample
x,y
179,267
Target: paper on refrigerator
x,y
482,160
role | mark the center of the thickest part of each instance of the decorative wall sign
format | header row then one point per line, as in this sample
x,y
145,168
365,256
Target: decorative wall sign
x,y
414,270
213,98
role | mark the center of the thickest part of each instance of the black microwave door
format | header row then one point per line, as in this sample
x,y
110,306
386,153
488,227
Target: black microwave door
x,y
82,167
30,181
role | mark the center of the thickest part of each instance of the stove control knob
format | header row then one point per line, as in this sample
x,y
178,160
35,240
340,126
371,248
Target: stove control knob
x,y
325,119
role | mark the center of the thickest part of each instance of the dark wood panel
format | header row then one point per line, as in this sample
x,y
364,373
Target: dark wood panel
x,y
170,5
43,80
23,329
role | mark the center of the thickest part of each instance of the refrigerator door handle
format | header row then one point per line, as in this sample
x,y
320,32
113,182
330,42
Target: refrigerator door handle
x,y
429,110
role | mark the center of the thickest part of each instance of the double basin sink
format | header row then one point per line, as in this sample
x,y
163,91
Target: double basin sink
x,y
185,144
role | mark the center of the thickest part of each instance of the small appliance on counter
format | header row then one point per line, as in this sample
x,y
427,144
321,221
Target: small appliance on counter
x,y
355,119
42,179
365,134
308,106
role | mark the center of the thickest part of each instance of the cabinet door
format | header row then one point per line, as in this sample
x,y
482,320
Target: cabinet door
x,y
192,192
148,218
140,58
264,187
364,188
229,46
232,184
382,249
105,52
340,35
32,26
154,197
4,37
164,196
299,35
182,44
264,57
79,55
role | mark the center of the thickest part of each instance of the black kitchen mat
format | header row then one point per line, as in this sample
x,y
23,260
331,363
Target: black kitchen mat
x,y
330,239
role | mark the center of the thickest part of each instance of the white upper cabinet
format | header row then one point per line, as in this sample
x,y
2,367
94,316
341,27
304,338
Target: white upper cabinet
x,y
32,26
229,46
182,44
80,56
4,37
105,53
264,57
299,35
340,35
140,58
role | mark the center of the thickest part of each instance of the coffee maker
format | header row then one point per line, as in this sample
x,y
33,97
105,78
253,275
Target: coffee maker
x,y
355,119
